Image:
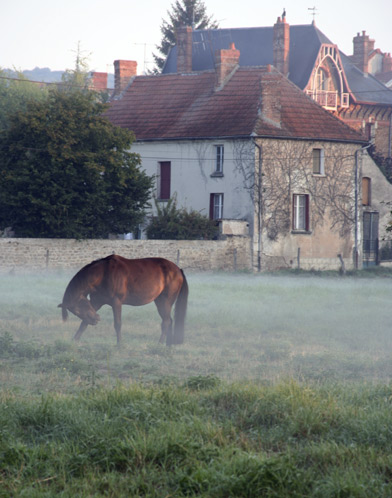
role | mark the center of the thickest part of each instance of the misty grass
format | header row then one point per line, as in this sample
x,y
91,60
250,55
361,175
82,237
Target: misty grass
x,y
239,327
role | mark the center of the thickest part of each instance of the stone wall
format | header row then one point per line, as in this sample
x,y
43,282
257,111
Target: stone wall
x,y
21,255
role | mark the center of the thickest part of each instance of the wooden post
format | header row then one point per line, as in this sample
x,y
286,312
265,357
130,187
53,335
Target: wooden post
x,y
342,269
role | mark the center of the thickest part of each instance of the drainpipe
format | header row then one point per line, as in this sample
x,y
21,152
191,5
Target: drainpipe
x,y
259,213
356,196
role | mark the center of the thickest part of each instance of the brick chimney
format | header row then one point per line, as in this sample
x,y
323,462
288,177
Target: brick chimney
x,y
271,98
184,49
362,47
99,81
123,72
281,45
226,60
386,63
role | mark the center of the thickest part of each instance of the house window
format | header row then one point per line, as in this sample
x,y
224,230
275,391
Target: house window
x,y
301,212
216,206
321,80
219,157
164,176
318,161
366,191
370,131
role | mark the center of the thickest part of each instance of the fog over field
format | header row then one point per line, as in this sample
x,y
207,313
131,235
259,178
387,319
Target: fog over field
x,y
240,327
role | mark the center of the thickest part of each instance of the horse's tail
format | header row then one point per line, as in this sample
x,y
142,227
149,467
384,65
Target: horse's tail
x,y
64,311
180,312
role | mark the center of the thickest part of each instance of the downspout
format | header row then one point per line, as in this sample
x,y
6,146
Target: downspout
x,y
356,197
259,213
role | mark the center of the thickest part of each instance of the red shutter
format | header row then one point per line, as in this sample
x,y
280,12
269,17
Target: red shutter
x,y
211,206
307,213
165,180
293,214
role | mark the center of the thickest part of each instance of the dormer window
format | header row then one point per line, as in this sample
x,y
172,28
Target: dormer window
x,y
327,83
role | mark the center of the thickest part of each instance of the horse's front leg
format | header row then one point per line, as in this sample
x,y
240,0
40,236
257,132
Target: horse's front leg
x,y
116,306
81,329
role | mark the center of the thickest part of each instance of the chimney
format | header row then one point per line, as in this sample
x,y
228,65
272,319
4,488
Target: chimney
x,y
271,98
123,72
386,63
362,44
99,81
184,49
226,60
281,45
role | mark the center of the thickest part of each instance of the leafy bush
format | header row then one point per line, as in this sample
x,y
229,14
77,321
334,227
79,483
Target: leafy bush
x,y
172,223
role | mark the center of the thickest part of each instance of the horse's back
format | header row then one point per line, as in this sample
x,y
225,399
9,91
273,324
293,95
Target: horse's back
x,y
137,281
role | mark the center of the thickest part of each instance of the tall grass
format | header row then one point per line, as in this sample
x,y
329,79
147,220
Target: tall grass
x,y
220,441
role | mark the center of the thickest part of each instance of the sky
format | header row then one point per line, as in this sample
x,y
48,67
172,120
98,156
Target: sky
x,y
46,33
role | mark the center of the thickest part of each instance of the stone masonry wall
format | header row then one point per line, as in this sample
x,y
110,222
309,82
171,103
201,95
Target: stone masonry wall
x,y
22,255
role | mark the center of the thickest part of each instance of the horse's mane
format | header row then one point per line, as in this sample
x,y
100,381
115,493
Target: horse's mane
x,y
79,283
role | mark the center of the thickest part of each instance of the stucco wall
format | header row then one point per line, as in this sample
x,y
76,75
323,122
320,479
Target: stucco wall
x,y
287,169
20,255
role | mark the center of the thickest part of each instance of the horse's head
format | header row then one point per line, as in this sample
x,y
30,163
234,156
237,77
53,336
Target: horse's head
x,y
85,311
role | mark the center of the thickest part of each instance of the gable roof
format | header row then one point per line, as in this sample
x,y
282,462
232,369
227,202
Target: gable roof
x,y
256,49
253,102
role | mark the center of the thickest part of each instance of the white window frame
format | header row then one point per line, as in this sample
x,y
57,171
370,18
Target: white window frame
x,y
217,207
321,171
300,212
219,159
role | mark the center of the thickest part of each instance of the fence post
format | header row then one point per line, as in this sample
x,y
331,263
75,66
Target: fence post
x,y
299,258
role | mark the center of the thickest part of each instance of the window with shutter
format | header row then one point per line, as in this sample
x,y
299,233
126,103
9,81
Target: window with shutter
x,y
164,180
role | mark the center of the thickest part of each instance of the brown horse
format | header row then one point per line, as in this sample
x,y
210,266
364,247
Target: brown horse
x,y
115,281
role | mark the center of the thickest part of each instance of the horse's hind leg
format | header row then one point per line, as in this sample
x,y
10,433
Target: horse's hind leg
x,y
164,310
116,306
81,329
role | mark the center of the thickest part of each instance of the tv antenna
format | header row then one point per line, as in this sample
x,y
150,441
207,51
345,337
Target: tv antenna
x,y
314,12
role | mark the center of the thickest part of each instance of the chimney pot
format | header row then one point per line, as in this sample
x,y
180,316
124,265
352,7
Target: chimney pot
x,y
124,71
281,46
226,60
362,47
99,81
184,49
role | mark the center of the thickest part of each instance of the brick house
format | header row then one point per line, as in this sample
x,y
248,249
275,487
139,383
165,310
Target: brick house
x,y
345,85
246,144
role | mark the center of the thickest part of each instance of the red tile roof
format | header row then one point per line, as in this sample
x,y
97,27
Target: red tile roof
x,y
253,102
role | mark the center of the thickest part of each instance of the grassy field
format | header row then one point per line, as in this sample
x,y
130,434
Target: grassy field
x,y
282,388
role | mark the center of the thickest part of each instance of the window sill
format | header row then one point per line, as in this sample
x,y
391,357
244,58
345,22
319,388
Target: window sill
x,y
163,200
319,175
301,232
216,174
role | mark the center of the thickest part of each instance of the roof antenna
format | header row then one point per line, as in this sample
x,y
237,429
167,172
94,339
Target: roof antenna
x,y
314,13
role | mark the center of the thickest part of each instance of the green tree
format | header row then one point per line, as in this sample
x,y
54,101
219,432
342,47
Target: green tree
x,y
66,171
183,13
16,91
172,223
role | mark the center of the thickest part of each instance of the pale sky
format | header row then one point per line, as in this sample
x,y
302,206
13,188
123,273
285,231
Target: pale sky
x,y
45,33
